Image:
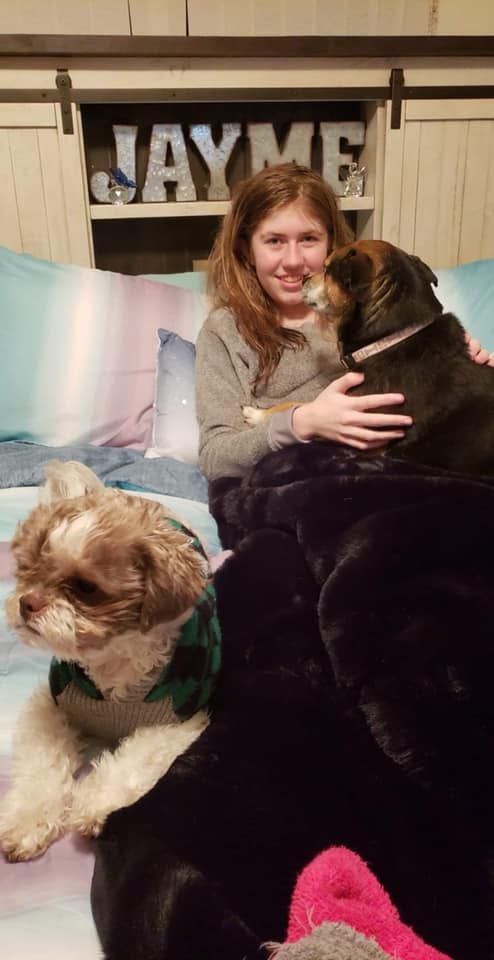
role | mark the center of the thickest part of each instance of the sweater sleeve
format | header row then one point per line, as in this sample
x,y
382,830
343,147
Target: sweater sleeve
x,y
280,430
228,447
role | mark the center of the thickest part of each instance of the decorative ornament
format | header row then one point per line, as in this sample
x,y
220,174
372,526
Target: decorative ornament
x,y
167,141
101,183
354,182
120,186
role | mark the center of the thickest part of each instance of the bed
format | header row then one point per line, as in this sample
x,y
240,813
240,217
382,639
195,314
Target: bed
x,y
99,367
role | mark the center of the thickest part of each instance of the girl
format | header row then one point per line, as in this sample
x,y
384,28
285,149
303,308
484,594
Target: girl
x,y
260,344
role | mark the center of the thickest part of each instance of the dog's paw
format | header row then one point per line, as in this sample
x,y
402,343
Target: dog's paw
x,y
87,824
253,415
27,830
89,808
19,844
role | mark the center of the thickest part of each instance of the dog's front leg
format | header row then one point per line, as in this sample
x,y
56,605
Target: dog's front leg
x,y
119,779
33,812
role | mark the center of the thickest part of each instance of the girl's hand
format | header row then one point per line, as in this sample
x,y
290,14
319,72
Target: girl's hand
x,y
335,416
477,352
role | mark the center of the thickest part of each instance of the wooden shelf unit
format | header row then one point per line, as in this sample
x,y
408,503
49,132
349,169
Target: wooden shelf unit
x,y
198,208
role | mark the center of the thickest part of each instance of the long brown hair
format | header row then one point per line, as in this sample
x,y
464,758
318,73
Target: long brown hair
x,y
232,280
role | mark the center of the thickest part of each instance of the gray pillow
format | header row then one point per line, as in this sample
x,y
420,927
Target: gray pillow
x,y
175,432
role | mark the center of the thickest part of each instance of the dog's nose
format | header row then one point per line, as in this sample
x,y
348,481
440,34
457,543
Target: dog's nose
x,y
30,604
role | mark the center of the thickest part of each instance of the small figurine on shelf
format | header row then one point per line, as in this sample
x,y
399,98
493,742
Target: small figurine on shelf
x,y
119,187
354,181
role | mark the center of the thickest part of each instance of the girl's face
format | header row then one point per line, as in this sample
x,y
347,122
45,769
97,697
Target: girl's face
x,y
285,248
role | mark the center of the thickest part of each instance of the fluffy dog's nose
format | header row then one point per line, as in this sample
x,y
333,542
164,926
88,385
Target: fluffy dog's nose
x,y
30,604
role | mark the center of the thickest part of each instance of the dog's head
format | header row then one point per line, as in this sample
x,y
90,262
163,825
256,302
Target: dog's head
x,y
371,288
95,565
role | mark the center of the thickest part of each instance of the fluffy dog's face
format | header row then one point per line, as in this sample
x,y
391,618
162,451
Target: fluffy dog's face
x,y
96,567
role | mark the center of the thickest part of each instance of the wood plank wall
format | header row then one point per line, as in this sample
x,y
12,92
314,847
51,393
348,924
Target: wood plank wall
x,y
340,18
44,206
249,18
440,187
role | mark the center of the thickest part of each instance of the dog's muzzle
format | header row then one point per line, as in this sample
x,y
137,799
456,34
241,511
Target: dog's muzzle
x,y
314,292
30,605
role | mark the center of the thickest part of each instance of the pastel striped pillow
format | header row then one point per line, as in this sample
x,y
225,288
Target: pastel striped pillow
x,y
78,351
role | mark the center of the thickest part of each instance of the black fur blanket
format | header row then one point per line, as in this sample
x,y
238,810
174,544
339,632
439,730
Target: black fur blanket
x,y
356,707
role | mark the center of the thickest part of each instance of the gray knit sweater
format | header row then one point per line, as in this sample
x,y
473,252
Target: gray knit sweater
x,y
332,941
225,369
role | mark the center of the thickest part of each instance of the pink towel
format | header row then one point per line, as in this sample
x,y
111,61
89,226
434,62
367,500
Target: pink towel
x,y
337,886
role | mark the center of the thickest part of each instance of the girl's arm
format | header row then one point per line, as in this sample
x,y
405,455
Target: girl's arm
x,y
228,447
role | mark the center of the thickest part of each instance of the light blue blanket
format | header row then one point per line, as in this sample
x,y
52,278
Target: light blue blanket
x,y
22,465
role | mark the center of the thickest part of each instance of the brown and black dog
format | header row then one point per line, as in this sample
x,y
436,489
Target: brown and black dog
x,y
371,292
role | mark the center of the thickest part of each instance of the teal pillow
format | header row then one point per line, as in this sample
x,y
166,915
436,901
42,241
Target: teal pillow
x,y
468,291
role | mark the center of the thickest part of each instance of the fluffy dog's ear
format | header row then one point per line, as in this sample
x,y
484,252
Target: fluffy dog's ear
x,y
423,270
355,269
174,578
67,480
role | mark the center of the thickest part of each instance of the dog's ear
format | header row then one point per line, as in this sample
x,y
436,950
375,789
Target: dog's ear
x,y
423,270
174,577
354,270
65,480
426,280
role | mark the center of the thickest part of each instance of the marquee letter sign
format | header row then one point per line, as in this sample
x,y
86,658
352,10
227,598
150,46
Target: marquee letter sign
x,y
264,149
125,142
168,160
331,134
168,138
216,157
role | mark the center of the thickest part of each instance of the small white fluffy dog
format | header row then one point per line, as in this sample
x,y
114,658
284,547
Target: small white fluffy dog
x,y
119,591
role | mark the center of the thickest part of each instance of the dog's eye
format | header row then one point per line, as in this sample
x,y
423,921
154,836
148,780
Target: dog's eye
x,y
84,589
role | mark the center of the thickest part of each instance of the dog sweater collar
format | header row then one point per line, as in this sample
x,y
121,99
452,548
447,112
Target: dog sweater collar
x,y
188,679
351,360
